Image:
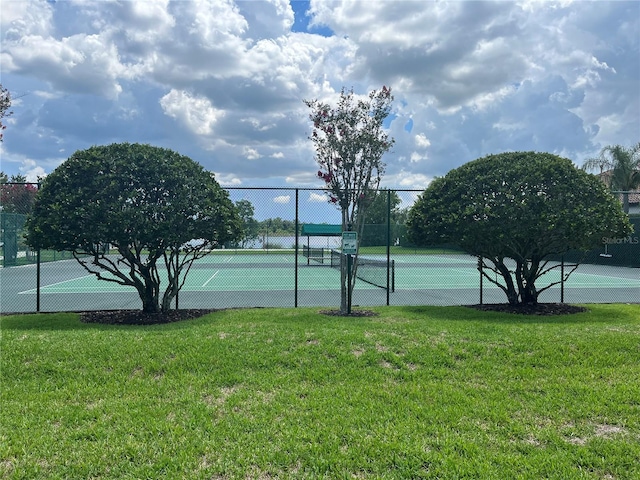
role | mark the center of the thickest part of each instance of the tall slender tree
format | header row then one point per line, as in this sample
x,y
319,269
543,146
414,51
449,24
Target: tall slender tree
x,y
350,141
620,168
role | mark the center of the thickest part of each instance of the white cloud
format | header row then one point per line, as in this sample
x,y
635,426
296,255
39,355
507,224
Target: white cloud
x,y
228,180
33,172
416,157
317,198
196,113
250,153
223,81
422,141
43,94
282,199
24,18
409,180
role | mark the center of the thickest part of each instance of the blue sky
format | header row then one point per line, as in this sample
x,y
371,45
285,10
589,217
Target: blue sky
x,y
224,81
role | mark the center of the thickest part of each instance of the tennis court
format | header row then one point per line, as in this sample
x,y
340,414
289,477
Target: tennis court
x,y
234,279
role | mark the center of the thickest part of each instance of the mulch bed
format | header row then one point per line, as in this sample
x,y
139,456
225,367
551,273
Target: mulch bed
x,y
138,317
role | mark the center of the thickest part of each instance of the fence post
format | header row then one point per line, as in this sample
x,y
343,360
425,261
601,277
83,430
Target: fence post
x,y
388,242
295,253
562,279
177,279
38,281
348,283
480,265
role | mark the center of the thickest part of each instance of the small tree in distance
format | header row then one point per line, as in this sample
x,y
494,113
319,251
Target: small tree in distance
x,y
385,204
350,141
151,204
16,195
515,210
250,225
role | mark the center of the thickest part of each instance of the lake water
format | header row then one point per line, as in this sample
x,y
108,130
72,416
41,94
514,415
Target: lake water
x,y
289,242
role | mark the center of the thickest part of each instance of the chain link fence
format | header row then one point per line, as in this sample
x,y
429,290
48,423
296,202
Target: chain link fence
x,y
284,260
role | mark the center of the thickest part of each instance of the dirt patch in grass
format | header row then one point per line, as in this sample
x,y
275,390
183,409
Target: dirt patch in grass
x,y
528,309
138,317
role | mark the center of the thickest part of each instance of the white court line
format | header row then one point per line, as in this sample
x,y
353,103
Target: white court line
x,y
577,272
54,284
210,278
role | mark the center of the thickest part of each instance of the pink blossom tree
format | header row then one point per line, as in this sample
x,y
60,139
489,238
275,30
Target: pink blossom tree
x,y
350,141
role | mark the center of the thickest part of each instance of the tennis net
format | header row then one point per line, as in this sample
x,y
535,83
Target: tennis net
x,y
314,253
370,270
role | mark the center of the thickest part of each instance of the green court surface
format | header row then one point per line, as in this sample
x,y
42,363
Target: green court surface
x,y
272,272
217,279
269,279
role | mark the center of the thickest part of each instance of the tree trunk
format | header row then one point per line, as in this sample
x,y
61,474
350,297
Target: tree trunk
x,y
150,302
512,294
526,275
167,298
529,294
345,305
150,291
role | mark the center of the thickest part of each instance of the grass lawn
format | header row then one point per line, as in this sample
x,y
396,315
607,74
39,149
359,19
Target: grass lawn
x,y
417,392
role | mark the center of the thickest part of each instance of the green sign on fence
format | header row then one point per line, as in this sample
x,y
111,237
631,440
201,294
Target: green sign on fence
x,y
349,243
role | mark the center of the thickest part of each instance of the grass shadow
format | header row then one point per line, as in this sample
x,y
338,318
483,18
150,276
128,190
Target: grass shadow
x,y
598,313
66,321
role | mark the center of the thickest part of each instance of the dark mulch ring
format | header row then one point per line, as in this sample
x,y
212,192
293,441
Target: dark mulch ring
x,y
138,317
529,309
354,313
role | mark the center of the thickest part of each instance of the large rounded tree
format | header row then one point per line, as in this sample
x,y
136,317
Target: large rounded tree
x,y
523,206
154,206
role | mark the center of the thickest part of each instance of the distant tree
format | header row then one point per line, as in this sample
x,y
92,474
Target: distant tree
x,y
5,105
385,203
523,206
16,196
350,141
380,207
250,225
278,226
619,167
151,204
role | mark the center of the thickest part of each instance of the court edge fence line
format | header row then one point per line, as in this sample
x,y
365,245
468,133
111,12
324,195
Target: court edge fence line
x,y
389,289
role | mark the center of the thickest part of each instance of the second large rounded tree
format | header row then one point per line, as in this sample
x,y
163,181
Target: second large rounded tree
x,y
523,206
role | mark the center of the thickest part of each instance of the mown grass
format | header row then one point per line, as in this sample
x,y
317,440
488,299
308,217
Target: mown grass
x,y
417,392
